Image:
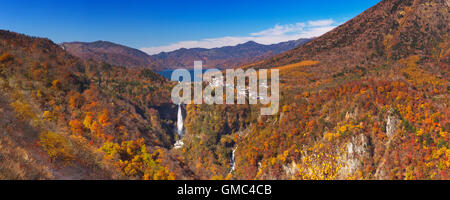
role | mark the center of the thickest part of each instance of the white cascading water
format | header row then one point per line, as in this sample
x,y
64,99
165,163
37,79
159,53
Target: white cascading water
x,y
178,144
233,162
180,122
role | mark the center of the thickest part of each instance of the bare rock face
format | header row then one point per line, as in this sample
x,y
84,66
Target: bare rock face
x,y
355,151
351,115
290,169
392,122
381,173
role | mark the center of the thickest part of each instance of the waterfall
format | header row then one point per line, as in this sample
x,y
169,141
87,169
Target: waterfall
x,y
180,122
233,162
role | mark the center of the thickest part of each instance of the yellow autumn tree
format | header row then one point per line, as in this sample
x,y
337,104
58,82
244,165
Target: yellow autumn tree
x,y
56,146
87,122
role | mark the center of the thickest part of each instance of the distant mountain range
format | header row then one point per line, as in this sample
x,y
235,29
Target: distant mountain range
x,y
223,57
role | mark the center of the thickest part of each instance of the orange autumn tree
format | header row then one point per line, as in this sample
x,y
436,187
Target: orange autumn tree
x,y
6,57
76,100
104,118
76,127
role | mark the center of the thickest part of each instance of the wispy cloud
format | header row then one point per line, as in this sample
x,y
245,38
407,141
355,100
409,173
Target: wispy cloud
x,y
321,23
278,33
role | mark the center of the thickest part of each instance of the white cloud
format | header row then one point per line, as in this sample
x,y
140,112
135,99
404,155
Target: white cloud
x,y
326,22
279,33
281,30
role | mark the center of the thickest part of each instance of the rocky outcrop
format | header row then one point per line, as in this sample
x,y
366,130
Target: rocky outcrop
x,y
350,159
392,122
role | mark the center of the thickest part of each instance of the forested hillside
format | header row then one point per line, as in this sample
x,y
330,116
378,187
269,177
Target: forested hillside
x,y
108,52
68,119
368,100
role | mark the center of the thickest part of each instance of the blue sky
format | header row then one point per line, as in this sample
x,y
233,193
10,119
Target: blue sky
x,y
155,26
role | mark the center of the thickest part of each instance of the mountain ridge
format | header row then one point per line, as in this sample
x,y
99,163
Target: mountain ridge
x,y
108,52
221,57
224,57
352,38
